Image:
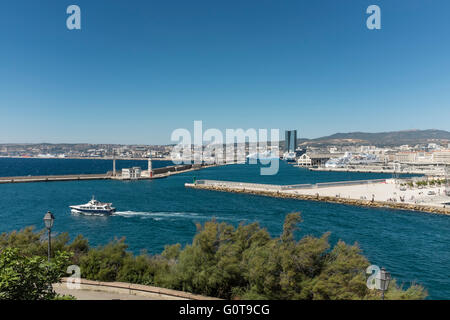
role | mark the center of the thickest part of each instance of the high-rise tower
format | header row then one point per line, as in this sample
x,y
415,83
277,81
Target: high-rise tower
x,y
290,141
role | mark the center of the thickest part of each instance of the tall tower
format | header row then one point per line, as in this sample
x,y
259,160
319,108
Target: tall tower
x,y
150,168
114,163
290,140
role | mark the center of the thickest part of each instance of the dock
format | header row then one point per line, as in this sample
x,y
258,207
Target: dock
x,y
369,193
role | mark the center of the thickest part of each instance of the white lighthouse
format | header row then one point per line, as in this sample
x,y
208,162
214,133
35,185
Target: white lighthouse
x,y
114,164
150,169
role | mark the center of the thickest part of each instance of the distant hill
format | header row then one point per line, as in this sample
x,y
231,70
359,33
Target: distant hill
x,y
411,137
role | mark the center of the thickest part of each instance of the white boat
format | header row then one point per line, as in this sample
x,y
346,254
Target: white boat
x,y
94,207
289,156
262,155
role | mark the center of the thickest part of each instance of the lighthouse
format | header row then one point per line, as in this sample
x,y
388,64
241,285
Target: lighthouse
x,y
114,164
150,169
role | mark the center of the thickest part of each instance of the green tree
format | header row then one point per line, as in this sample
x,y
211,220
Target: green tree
x,y
224,261
104,263
29,278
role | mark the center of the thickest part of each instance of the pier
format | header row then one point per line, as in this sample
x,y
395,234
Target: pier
x,y
369,193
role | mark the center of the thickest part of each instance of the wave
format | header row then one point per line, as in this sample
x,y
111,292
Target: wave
x,y
160,215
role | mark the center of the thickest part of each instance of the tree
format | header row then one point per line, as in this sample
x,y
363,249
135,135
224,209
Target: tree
x,y
29,278
224,261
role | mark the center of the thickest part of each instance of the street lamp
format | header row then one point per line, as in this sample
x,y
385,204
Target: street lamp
x,y
48,220
382,281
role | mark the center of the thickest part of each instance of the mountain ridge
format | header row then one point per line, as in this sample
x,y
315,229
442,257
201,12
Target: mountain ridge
x,y
388,138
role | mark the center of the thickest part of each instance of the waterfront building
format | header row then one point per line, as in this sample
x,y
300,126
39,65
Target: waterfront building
x,y
441,157
414,157
131,173
315,160
304,160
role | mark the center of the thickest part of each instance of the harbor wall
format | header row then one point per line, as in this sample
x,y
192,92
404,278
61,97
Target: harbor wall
x,y
273,192
23,179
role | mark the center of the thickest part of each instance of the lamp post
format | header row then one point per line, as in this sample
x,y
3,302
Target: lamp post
x,y
48,220
382,281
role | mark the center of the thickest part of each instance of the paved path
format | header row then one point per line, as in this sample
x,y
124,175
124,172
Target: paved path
x,y
98,295
84,294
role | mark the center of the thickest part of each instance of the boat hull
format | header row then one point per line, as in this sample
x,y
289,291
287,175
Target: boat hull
x,y
93,212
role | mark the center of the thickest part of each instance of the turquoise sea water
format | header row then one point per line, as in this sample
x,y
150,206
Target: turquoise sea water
x,y
413,246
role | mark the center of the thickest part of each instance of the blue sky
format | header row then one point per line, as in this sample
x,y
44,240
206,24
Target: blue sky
x,y
140,69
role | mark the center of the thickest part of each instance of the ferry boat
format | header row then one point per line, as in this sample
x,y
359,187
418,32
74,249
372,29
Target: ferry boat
x,y
94,207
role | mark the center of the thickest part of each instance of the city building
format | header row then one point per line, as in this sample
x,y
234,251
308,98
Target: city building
x,y
441,157
290,141
314,160
304,160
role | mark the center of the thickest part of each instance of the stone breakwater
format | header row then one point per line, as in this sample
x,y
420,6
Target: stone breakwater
x,y
354,202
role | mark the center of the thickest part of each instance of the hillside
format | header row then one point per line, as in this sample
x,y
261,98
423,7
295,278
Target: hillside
x,y
411,137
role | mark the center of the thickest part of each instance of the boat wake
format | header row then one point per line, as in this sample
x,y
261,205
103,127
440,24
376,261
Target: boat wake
x,y
167,215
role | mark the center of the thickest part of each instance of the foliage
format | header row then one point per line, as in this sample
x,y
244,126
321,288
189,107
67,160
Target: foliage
x,y
242,262
29,278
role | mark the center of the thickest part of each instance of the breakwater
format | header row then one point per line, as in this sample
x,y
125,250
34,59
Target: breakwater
x,y
50,178
158,173
286,192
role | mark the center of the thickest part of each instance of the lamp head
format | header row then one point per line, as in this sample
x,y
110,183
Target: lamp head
x,y
383,279
48,220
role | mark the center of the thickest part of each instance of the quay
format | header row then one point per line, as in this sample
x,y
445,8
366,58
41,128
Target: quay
x,y
370,193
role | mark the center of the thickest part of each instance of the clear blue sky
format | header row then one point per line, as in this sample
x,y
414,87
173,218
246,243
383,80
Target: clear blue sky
x,y
140,69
